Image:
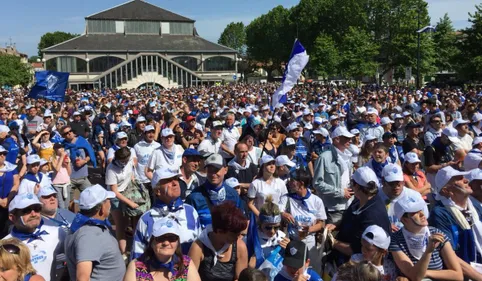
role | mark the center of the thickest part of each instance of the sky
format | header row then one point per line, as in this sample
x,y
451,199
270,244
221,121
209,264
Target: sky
x,y
27,20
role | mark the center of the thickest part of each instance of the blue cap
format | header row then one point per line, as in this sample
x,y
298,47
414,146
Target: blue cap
x,y
191,152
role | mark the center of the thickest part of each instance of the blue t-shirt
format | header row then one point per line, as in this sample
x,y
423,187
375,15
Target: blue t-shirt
x,y
313,276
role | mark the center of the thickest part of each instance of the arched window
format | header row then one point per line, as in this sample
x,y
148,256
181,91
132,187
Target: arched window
x,y
188,62
102,64
219,64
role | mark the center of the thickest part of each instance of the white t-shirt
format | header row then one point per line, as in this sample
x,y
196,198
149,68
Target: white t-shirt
x,y
260,189
120,176
301,214
210,146
472,159
28,186
466,142
159,160
111,153
45,252
144,151
230,139
254,155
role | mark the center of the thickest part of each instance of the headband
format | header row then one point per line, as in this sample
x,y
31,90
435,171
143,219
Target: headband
x,y
270,219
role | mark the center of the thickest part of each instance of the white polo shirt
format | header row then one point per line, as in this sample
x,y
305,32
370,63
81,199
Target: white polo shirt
x,y
45,252
159,160
230,138
209,145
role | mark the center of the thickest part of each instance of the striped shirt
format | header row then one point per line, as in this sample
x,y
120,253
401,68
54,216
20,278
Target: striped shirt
x,y
398,243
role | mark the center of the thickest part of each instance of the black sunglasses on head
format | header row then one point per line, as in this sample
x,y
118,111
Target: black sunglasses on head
x,y
10,248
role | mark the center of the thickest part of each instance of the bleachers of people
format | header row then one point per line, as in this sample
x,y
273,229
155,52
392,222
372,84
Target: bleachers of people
x,y
214,184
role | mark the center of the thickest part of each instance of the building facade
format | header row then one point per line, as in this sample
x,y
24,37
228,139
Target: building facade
x,y
137,44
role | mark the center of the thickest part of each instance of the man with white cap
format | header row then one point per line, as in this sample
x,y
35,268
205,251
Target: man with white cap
x,y
168,154
462,127
137,134
91,248
213,191
45,242
332,174
456,215
230,136
302,146
441,154
51,213
143,151
283,167
392,190
78,125
168,202
33,179
421,251
474,157
213,142
372,127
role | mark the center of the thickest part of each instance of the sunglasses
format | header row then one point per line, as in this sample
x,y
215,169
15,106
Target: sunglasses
x,y
117,115
3,154
54,195
28,210
436,121
66,133
168,237
271,227
10,248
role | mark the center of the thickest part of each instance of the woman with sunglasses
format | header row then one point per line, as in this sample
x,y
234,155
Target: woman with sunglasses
x,y
163,259
266,184
269,233
15,262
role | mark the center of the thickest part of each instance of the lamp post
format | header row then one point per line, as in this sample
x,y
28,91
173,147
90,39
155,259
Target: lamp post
x,y
44,64
88,68
426,29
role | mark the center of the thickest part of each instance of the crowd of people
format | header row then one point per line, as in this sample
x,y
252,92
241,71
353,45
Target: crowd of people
x,y
213,183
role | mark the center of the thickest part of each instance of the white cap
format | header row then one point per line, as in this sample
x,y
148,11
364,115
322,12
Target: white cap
x,y
93,196
33,158
459,122
167,132
354,132
369,138
165,225
48,114
290,141
149,128
284,160
398,116
475,174
318,120
364,175
410,203
76,113
392,172
163,173
217,124
452,134
2,149
341,131
477,117
412,157
22,201
334,117
4,129
120,135
46,190
292,126
444,175
406,113
372,110
266,107
232,182
476,141
375,235
125,124
215,160
265,159
307,112
385,121
43,162
141,119
321,131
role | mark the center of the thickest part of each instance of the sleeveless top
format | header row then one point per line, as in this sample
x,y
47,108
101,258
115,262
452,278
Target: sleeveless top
x,y
46,154
222,271
143,274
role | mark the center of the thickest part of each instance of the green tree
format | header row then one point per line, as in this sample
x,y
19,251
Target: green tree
x,y
33,59
270,38
470,58
445,41
53,38
358,52
324,58
13,72
234,36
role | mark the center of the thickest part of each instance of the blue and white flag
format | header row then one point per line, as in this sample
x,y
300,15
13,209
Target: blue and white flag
x,y
50,85
426,29
298,60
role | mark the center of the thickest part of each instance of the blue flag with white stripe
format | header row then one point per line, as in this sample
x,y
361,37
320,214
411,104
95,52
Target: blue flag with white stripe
x,y
50,85
297,62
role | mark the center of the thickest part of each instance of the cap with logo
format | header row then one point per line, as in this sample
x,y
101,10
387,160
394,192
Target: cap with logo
x,y
284,160
120,135
364,175
165,225
296,254
22,201
410,203
290,141
412,157
33,158
46,190
162,174
376,236
93,196
167,132
149,128
217,124
392,172
215,160
232,182
354,132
